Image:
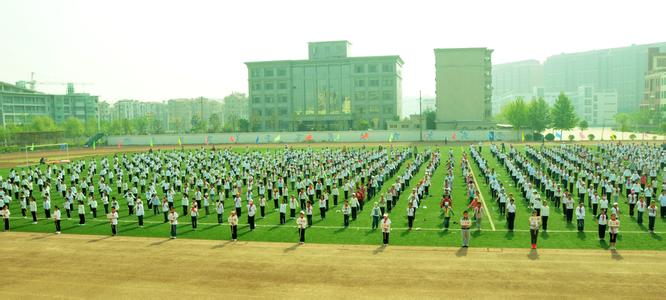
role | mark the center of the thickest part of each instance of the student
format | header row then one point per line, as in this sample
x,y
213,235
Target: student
x,y
346,212
448,211
140,212
219,207
545,212
283,212
662,203
375,214
251,211
56,219
652,215
33,210
308,213
580,216
354,204
302,224
511,213
194,214
569,208
238,204
5,216
165,209
535,222
322,207
465,224
386,229
47,207
185,203
93,206
233,223
292,208
24,205
640,209
173,220
262,206
113,217
410,215
614,225
602,221
82,214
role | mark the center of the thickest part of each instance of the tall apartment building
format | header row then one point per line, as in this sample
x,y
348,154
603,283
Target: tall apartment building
x,y
463,87
329,91
19,104
519,77
654,96
235,109
616,69
181,111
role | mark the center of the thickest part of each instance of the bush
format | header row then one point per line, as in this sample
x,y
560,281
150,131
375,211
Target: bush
x,y
632,137
537,137
550,137
571,137
590,137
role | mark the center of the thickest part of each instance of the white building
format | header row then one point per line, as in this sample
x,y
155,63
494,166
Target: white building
x,y
598,108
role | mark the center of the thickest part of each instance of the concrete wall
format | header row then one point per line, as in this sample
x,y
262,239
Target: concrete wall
x,y
317,136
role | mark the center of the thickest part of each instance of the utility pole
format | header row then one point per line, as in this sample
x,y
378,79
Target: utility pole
x,y
420,117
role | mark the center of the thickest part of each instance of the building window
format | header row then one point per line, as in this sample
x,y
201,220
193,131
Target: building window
x,y
388,82
282,98
359,69
373,83
359,96
282,85
268,86
372,68
387,68
268,72
282,111
268,99
256,87
256,99
255,73
387,95
373,96
281,72
359,83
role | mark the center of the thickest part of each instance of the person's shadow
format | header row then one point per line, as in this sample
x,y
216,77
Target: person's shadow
x,y
615,255
462,252
292,248
533,255
379,249
221,245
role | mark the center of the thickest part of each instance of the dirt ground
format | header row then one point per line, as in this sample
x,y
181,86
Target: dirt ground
x,y
37,265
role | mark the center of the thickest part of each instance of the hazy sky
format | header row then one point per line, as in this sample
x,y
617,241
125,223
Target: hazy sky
x,y
157,50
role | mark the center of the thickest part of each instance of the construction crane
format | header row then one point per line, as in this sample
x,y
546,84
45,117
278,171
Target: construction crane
x,y
70,85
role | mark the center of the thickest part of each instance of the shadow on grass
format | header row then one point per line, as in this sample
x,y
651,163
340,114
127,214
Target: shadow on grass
x,y
533,255
615,255
509,235
444,232
655,236
378,250
406,232
371,231
461,252
544,235
341,229
476,233
581,235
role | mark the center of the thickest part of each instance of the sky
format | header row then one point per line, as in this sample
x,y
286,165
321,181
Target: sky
x,y
159,50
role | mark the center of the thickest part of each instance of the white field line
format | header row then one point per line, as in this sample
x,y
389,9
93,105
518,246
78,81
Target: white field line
x,y
492,225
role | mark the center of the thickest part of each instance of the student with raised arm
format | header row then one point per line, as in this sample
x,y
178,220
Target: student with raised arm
x,y
302,224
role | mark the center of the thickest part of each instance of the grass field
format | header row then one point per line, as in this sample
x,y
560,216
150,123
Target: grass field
x,y
428,225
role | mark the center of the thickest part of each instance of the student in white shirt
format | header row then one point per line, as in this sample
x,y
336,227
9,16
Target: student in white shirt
x,y
56,219
465,224
113,218
33,210
511,213
82,214
535,222
173,220
602,221
545,213
251,211
302,224
165,209
283,212
233,223
580,216
140,212
219,207
386,229
614,225
5,216
194,214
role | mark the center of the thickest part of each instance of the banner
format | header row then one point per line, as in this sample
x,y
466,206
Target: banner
x,y
180,143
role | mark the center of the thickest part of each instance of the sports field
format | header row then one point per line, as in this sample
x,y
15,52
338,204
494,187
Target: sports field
x,y
86,266
427,226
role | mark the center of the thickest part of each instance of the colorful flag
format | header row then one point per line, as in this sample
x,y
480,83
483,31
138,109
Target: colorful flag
x,y
32,148
180,143
364,136
558,134
308,137
613,137
522,136
453,136
119,145
390,137
257,140
277,139
152,143
206,140
94,145
232,139
337,137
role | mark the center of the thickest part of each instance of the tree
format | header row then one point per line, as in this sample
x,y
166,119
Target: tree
x,y
538,114
590,137
156,126
430,119
243,125
42,124
140,124
563,114
73,127
90,127
215,123
583,125
516,114
623,122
